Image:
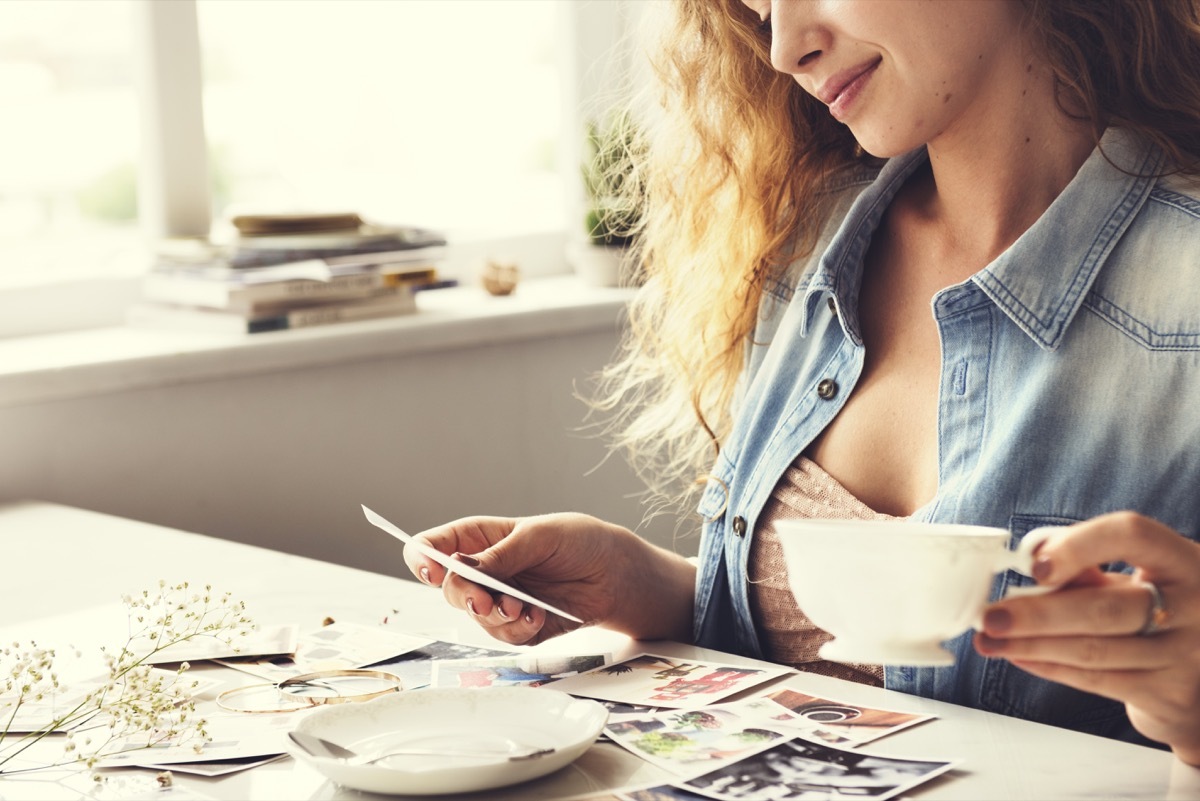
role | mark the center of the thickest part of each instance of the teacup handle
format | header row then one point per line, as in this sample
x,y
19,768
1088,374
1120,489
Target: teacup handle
x,y
1021,560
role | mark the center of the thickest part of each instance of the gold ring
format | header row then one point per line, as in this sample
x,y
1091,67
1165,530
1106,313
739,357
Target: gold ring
x,y
1157,614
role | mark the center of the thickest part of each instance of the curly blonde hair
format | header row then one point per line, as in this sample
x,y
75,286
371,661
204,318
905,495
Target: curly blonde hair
x,y
732,178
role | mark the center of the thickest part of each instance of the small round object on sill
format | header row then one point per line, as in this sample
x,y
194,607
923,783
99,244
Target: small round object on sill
x,y
500,277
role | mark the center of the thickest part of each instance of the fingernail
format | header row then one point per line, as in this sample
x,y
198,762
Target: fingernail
x,y
502,613
467,560
471,607
991,644
997,621
423,574
529,618
1042,568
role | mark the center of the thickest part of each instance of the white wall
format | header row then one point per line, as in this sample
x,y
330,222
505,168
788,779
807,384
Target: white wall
x,y
285,459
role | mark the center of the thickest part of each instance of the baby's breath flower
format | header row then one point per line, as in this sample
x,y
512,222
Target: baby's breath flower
x,y
133,699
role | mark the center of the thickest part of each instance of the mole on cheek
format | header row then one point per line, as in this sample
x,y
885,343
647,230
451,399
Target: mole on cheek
x,y
946,99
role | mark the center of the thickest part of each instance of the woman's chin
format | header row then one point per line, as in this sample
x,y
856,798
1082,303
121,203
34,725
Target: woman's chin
x,y
883,147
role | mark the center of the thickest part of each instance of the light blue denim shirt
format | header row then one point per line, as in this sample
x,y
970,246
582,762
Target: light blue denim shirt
x,y
1070,387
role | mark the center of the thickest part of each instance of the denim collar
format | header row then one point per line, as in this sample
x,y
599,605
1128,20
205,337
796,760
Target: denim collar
x,y
1039,282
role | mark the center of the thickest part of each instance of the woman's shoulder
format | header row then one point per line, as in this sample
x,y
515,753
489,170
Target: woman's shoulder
x,y
831,204
1150,285
1169,222
1179,192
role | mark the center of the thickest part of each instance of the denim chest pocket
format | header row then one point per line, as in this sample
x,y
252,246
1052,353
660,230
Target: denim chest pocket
x,y
1008,690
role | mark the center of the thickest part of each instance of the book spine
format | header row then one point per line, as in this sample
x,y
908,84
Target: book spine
x,y
267,251
339,287
253,297
400,301
325,315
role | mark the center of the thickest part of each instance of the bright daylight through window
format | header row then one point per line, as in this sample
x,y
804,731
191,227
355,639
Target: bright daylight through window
x,y
69,143
439,113
442,113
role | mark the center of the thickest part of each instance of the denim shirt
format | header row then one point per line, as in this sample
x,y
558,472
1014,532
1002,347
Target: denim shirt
x,y
1069,387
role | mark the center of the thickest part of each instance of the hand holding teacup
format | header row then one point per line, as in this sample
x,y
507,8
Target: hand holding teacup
x,y
890,592
1134,638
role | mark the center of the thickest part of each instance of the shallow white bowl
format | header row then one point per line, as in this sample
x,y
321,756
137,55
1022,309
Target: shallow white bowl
x,y
491,718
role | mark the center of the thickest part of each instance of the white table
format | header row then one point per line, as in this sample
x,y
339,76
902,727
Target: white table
x,y
64,566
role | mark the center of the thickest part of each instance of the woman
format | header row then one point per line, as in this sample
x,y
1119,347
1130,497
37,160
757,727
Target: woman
x,y
904,258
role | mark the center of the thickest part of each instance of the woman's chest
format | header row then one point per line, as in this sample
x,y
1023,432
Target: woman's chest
x,y
883,442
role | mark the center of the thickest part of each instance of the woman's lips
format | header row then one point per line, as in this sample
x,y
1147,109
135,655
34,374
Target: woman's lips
x,y
842,88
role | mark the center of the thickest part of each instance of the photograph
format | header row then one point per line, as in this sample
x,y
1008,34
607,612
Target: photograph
x,y
666,682
841,723
337,646
662,792
415,668
688,741
520,670
805,771
658,792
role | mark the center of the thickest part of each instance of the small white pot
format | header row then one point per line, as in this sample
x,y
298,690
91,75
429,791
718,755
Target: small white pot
x,y
598,265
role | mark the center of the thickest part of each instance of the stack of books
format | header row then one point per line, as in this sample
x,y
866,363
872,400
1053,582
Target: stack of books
x,y
290,271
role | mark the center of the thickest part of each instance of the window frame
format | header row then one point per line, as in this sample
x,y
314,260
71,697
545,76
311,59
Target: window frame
x,y
173,176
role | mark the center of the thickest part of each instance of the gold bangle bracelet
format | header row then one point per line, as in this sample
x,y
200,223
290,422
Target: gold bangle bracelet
x,y
311,678
299,702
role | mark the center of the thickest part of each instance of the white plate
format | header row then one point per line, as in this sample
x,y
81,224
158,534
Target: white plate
x,y
491,718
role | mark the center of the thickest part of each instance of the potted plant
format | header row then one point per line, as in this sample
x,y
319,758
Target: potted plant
x,y
613,201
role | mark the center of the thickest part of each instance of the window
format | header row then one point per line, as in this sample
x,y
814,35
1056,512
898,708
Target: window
x,y
455,114
445,113
68,145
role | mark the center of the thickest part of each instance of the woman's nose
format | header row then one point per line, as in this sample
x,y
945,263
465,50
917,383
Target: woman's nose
x,y
798,38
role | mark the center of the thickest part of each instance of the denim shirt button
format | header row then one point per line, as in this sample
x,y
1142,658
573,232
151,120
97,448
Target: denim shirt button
x,y
827,389
739,526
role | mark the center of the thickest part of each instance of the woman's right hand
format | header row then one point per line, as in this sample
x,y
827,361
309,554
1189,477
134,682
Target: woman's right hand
x,y
595,570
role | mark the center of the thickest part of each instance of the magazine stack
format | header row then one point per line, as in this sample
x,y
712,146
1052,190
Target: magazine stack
x,y
291,271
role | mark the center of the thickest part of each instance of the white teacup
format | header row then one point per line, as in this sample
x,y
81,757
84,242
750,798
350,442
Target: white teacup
x,y
890,592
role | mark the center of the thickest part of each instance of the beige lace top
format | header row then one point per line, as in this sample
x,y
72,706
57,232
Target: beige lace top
x,y
787,635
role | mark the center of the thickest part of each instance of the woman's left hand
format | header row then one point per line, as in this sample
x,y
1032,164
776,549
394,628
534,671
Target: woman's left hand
x,y
1096,631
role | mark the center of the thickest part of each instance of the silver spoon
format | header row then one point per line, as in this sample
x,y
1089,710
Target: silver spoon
x,y
320,747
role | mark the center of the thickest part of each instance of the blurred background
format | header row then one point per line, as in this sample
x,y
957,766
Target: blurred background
x,y
128,121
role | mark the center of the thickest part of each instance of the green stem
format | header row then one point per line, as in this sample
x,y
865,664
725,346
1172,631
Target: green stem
x,y
93,705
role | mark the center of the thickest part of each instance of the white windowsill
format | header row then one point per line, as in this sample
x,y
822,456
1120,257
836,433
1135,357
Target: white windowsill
x,y
103,360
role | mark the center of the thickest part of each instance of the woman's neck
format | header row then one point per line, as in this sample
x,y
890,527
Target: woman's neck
x,y
992,177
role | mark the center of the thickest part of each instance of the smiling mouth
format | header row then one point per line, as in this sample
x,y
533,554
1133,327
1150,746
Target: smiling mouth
x,y
844,85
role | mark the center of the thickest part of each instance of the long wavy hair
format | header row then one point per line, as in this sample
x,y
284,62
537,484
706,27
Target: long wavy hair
x,y
736,159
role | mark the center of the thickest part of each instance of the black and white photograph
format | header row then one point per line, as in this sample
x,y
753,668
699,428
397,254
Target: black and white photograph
x,y
799,770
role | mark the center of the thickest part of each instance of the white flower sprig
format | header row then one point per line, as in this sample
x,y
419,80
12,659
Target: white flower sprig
x,y
135,706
